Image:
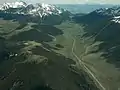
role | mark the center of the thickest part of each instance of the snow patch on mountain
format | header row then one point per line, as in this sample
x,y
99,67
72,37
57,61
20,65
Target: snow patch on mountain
x,y
30,9
116,19
114,11
13,5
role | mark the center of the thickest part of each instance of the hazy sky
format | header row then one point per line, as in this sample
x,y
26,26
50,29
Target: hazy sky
x,y
67,1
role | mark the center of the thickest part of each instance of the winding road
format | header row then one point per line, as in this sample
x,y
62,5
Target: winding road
x,y
81,63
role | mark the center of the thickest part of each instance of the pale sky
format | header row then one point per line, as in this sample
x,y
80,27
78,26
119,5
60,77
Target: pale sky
x,y
67,1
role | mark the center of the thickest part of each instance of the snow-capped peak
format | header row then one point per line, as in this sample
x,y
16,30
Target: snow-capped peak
x,y
13,5
30,9
114,11
117,17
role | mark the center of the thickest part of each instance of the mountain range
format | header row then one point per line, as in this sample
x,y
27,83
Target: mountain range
x,y
38,12
45,47
83,8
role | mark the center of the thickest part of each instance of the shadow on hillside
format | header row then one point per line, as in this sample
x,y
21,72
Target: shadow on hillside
x,y
42,88
32,35
39,33
92,23
21,26
52,56
3,50
48,29
19,17
49,47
